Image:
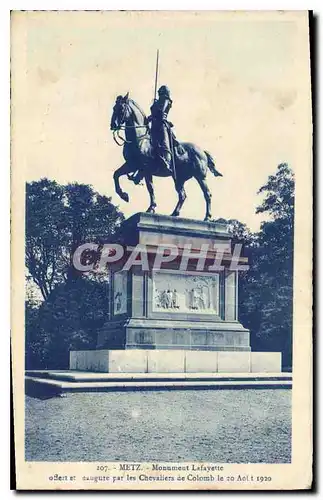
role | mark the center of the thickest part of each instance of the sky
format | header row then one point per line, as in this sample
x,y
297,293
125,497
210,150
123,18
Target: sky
x,y
239,83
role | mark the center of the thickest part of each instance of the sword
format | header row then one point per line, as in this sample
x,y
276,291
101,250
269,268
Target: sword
x,y
172,153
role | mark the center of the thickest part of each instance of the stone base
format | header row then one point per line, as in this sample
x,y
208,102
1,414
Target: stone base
x,y
174,334
171,361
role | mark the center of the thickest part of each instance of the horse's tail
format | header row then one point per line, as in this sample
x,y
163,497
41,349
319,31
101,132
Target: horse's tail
x,y
211,165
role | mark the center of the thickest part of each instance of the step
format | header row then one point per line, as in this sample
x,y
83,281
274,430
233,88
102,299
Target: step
x,y
80,376
58,386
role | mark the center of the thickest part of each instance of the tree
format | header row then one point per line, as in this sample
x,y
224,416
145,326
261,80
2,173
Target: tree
x,y
35,351
279,195
45,233
70,319
266,290
270,290
239,231
58,219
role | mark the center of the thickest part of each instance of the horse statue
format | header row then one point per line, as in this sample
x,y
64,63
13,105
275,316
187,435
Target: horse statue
x,y
188,159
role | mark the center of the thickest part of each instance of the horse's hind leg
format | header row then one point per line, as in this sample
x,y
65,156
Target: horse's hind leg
x,y
150,187
207,196
181,198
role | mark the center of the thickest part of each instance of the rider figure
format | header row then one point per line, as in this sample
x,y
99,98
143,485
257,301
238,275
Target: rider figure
x,y
160,131
160,127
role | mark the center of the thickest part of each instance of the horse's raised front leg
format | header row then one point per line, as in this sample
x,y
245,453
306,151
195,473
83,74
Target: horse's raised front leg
x,y
150,187
181,197
125,169
207,196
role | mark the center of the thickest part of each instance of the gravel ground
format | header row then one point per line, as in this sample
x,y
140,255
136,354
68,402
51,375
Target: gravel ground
x,y
213,426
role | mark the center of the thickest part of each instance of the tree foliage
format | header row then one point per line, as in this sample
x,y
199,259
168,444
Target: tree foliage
x,y
279,195
58,219
239,232
46,224
274,263
266,290
68,320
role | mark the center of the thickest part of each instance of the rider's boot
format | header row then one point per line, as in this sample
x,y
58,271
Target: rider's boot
x,y
138,177
166,160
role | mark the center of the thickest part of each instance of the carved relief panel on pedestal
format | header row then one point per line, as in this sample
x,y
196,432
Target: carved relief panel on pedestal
x,y
185,293
120,292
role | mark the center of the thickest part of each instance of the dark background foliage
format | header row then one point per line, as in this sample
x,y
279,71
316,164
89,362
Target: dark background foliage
x,y
71,308
266,290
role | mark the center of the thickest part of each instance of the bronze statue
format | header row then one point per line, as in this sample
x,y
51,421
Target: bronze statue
x,y
152,152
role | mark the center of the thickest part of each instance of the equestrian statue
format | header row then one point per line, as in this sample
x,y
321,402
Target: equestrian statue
x,y
150,148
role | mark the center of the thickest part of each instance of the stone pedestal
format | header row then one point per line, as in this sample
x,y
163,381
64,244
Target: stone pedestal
x,y
176,306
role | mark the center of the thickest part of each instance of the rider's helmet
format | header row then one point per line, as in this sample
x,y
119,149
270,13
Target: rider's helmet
x,y
164,90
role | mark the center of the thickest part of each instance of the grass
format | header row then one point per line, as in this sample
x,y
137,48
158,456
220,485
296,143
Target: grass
x,y
212,426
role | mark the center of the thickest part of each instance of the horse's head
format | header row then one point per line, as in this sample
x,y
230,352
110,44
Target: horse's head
x,y
120,112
